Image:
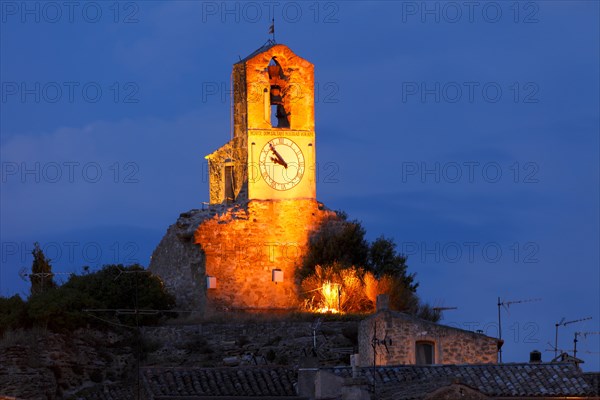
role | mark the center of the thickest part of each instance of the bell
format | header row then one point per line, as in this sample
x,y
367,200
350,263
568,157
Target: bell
x,y
282,117
276,98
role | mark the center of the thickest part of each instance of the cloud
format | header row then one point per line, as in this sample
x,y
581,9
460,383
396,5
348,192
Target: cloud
x,y
133,172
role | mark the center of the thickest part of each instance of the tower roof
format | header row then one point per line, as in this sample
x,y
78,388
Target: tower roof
x,y
265,47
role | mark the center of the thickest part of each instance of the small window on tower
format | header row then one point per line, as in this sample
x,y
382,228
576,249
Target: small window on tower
x,y
425,353
229,184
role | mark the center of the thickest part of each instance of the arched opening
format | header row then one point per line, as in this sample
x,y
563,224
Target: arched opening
x,y
279,117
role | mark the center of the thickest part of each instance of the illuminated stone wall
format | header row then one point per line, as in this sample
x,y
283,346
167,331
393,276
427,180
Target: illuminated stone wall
x,y
452,345
180,263
297,86
231,154
242,246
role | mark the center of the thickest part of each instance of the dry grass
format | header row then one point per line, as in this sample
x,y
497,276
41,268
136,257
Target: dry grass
x,y
374,287
332,289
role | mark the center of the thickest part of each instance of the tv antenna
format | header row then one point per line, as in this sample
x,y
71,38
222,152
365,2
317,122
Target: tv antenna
x,y
506,304
385,342
562,322
136,312
445,308
554,349
585,335
440,309
26,275
315,327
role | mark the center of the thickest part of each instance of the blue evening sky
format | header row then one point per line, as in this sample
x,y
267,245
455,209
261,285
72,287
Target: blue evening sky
x,y
466,131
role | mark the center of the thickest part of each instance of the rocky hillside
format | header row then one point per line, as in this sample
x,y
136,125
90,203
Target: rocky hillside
x,y
250,343
91,364
44,365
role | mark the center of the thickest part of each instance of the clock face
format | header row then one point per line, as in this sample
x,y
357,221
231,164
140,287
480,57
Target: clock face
x,y
281,163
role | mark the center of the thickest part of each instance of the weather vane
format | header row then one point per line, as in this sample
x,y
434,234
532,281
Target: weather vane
x,y
272,29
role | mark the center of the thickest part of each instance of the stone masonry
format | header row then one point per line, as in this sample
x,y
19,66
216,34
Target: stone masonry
x,y
240,245
243,246
397,335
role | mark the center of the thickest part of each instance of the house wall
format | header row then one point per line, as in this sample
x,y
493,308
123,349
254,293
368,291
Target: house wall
x,y
452,345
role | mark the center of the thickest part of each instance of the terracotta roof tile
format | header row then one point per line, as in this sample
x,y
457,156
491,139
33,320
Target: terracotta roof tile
x,y
109,392
501,380
246,381
393,382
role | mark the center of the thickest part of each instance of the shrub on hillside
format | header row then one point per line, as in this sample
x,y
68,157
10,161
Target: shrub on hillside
x,y
13,313
116,289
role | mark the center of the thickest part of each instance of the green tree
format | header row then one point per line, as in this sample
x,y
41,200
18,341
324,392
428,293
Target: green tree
x,y
338,241
13,313
119,287
61,310
41,276
340,244
384,260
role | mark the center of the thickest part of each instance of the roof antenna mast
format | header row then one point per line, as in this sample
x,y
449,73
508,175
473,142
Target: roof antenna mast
x,y
506,305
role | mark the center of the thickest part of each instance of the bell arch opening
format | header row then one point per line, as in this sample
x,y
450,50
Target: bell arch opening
x,y
279,116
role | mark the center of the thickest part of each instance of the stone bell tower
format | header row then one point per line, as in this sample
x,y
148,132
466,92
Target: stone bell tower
x,y
263,184
243,251
272,153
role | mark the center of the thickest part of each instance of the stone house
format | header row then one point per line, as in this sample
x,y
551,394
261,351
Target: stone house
x,y
394,338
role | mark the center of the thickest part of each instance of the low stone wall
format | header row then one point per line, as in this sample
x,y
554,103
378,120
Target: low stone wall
x,y
250,343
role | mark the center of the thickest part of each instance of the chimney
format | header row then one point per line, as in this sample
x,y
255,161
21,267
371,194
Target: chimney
x,y
535,357
383,302
355,362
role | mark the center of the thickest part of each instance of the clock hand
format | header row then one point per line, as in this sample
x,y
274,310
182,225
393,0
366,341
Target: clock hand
x,y
279,159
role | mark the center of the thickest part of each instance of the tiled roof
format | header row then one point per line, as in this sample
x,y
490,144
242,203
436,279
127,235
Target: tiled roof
x,y
410,390
199,382
261,49
498,380
391,382
109,392
593,379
